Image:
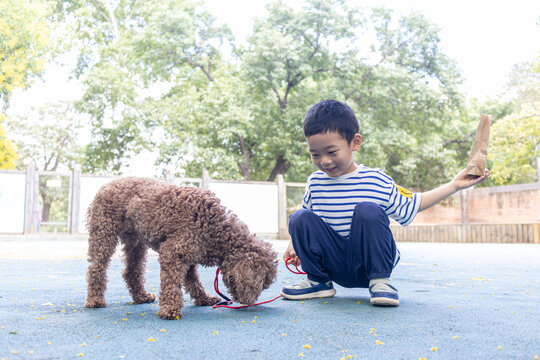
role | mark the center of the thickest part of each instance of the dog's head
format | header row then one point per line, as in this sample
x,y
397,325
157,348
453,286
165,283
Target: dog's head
x,y
246,275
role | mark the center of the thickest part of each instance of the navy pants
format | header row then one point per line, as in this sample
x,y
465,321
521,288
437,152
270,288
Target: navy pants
x,y
369,252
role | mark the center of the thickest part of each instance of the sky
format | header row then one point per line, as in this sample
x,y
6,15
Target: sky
x,y
485,38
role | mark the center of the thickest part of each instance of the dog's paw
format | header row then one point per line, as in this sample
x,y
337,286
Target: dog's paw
x,y
146,298
207,301
92,302
169,315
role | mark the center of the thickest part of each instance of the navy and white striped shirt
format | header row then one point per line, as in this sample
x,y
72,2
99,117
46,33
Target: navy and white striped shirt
x,y
334,199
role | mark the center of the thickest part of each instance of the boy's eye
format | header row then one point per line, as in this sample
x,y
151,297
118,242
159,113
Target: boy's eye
x,y
332,152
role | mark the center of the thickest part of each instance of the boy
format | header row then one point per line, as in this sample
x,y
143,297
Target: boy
x,y
342,232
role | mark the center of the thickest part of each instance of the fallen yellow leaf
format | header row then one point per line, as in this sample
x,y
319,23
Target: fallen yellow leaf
x,y
307,346
379,342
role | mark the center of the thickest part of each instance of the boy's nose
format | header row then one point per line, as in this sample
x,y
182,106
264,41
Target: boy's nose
x,y
325,161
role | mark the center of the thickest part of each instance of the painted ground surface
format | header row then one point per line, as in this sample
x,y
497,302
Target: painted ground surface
x,y
458,301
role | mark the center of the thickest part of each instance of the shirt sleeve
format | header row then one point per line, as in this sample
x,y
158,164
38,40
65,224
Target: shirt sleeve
x,y
403,204
306,201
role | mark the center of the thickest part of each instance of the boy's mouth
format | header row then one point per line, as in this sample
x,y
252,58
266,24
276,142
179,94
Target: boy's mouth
x,y
330,170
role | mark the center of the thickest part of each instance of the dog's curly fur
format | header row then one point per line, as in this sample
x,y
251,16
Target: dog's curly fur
x,y
187,226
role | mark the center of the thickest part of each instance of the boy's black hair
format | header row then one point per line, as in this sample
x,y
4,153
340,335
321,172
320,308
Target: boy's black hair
x,y
331,115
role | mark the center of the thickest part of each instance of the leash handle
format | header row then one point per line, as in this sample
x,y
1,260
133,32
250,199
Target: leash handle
x,y
298,271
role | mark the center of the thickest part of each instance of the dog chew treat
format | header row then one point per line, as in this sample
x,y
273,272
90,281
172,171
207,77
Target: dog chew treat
x,y
477,159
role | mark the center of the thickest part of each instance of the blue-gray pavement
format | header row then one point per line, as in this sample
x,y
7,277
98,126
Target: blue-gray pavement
x,y
458,301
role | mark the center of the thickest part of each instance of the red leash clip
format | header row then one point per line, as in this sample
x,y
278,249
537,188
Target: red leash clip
x,y
227,302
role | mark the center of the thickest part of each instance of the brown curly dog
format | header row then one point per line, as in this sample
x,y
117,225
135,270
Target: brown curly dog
x,y
187,226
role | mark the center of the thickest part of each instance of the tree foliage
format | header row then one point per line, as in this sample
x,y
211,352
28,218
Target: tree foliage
x,y
24,43
8,153
47,136
163,75
515,140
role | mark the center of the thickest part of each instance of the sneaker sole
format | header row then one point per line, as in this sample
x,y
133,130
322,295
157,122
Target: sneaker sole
x,y
318,294
382,301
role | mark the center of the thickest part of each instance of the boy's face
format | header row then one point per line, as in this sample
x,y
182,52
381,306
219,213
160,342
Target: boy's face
x,y
333,154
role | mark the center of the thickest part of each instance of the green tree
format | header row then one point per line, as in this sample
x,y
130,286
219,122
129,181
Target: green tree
x,y
158,78
48,136
407,101
8,153
24,44
403,89
134,57
515,140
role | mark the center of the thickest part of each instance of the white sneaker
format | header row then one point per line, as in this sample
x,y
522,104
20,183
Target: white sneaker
x,y
307,289
382,293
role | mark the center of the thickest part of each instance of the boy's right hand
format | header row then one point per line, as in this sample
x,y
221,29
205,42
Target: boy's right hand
x,y
290,253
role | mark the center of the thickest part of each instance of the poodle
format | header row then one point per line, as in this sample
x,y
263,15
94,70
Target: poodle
x,y
187,226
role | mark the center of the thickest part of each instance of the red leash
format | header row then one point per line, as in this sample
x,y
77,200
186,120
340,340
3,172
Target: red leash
x,y
298,271
227,302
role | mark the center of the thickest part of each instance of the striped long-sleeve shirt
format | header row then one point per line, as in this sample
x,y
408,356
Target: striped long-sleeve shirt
x,y
334,199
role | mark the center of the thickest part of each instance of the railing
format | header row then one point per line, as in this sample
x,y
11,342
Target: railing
x,y
469,233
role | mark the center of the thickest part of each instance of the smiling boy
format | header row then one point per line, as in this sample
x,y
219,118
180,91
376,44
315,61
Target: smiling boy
x,y
342,233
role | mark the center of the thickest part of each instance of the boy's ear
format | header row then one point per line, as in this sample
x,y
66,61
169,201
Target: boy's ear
x,y
356,142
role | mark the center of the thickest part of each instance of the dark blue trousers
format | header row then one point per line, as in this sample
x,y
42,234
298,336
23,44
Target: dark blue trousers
x,y
369,252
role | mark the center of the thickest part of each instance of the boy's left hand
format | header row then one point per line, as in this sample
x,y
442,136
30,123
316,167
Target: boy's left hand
x,y
463,181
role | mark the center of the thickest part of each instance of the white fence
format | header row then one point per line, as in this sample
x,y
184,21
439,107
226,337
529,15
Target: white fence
x,y
261,205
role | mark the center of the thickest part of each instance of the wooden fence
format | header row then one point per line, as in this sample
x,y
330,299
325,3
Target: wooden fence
x,y
469,233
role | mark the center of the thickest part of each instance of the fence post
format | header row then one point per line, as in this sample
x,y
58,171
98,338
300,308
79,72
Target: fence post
x,y
282,208
75,217
205,180
31,201
169,177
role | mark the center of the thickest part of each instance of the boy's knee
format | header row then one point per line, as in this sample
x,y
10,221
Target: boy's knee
x,y
298,217
369,211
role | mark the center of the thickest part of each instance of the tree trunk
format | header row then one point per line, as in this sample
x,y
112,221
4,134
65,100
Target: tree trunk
x,y
281,167
244,166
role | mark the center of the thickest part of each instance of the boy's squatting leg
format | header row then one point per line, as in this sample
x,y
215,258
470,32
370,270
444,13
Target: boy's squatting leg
x,y
327,256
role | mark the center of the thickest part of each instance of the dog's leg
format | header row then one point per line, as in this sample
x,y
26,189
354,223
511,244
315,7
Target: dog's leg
x,y
134,272
195,288
172,273
101,247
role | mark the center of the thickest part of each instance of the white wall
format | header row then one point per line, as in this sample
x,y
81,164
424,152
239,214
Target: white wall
x,y
255,204
89,189
12,200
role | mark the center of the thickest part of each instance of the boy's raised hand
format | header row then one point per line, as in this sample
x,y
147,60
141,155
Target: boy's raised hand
x,y
463,181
